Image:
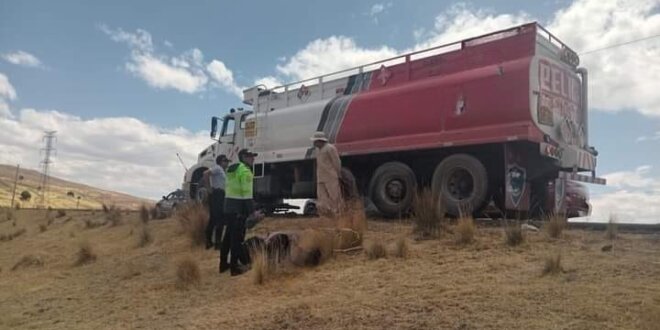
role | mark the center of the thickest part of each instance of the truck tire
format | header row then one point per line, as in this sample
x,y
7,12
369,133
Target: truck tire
x,y
309,209
461,182
201,193
392,188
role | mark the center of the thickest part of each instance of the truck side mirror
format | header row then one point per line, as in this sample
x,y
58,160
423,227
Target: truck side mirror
x,y
214,127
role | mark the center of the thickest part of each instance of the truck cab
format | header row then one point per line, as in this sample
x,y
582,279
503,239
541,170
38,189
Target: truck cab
x,y
227,131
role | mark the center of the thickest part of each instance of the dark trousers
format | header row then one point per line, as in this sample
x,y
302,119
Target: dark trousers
x,y
216,215
237,211
236,231
225,247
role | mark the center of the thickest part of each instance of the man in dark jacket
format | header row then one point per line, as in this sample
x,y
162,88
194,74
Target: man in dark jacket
x,y
239,205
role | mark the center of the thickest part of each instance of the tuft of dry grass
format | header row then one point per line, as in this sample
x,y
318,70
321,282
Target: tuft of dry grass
x,y
428,214
144,213
401,248
60,214
85,254
261,268
187,273
113,215
353,217
375,250
268,265
513,234
612,229
50,217
465,230
9,237
553,265
28,261
313,248
9,214
17,206
144,236
106,209
153,211
193,219
43,227
90,224
555,224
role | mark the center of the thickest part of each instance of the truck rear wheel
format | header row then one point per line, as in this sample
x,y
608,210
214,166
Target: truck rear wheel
x,y
391,189
461,182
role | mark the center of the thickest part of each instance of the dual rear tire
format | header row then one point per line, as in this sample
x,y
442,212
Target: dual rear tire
x,y
460,181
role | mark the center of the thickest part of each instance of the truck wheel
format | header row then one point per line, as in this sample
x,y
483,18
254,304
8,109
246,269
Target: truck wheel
x,y
461,181
201,193
310,208
391,189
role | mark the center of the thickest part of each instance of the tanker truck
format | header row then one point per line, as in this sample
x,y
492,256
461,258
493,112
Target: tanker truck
x,y
495,119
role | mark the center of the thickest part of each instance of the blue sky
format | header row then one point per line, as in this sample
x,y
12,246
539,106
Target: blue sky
x,y
117,72
85,72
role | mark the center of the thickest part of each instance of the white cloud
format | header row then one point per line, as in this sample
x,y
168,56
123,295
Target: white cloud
x,y
223,77
268,81
633,196
654,137
627,206
187,73
461,21
623,78
5,112
335,53
7,91
165,76
121,154
632,179
22,58
378,9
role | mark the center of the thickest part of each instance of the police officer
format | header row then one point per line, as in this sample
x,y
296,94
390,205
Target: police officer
x,y
239,205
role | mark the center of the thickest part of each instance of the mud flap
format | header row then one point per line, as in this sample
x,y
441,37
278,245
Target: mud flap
x,y
517,186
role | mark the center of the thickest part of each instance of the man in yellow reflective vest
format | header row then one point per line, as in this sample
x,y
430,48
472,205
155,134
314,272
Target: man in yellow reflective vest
x,y
239,204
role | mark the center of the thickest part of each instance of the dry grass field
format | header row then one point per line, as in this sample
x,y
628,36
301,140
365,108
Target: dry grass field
x,y
80,271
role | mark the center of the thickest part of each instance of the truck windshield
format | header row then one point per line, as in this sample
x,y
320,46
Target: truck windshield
x,y
228,127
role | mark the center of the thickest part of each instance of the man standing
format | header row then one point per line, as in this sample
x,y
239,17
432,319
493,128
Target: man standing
x,y
239,205
328,170
214,178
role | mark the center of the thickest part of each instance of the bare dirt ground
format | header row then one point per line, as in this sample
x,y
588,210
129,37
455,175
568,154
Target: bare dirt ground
x,y
440,285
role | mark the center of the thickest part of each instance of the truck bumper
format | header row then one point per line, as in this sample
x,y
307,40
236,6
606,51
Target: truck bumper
x,y
574,159
582,178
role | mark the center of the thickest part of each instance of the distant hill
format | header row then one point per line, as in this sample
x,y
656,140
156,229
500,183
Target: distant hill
x,y
61,193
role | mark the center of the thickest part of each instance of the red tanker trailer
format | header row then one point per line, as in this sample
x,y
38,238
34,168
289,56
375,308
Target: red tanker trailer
x,y
500,117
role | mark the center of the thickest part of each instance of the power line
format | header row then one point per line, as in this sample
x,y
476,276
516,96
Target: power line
x,y
619,44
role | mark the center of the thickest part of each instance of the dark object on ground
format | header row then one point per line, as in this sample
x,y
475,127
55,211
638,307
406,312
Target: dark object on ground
x,y
277,246
607,248
254,244
238,270
313,258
